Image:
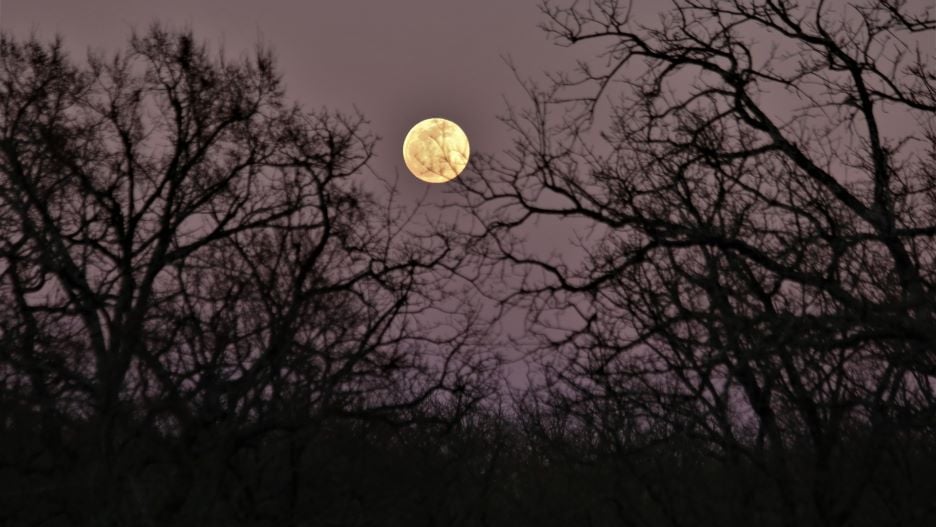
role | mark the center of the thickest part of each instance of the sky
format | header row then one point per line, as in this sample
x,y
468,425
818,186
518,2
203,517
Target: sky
x,y
397,62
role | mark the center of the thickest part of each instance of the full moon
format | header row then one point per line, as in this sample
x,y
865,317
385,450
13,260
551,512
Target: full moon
x,y
436,150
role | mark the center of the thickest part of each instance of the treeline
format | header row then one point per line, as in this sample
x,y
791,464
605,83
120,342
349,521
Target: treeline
x,y
212,314
486,470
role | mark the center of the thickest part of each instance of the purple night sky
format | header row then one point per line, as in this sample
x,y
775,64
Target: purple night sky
x,y
396,62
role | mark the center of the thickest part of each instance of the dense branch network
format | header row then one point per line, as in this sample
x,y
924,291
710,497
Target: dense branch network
x,y
752,183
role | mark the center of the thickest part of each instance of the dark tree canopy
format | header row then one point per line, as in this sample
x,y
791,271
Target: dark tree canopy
x,y
186,254
753,184
213,313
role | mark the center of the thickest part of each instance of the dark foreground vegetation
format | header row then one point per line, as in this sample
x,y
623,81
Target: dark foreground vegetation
x,y
210,316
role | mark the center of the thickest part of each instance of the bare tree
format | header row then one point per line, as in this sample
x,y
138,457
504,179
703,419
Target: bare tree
x,y
753,187
188,259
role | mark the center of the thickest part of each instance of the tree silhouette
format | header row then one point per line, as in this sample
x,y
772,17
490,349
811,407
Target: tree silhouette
x,y
193,282
213,313
752,186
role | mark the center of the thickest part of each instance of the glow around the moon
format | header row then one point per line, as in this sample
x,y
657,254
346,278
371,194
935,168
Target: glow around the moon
x,y
436,150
